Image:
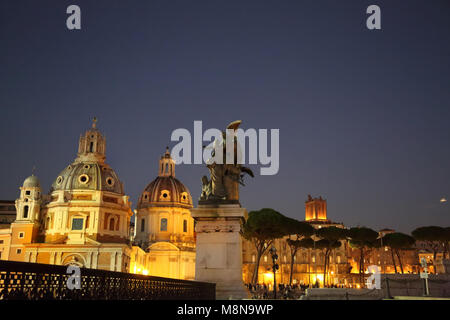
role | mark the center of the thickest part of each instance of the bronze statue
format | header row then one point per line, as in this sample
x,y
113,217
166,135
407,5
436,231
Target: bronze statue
x,y
223,186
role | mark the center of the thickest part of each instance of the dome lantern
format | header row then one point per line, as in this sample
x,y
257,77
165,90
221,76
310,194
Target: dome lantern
x,y
92,145
166,190
166,165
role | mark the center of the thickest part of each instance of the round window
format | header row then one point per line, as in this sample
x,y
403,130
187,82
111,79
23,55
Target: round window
x,y
165,195
184,197
110,181
146,197
87,166
59,180
84,178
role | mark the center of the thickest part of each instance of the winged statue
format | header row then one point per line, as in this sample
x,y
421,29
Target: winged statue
x,y
225,178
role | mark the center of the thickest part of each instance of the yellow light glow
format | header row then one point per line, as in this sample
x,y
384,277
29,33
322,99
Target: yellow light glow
x,y
268,278
145,272
317,277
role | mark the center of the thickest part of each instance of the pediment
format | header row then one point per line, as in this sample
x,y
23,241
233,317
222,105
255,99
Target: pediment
x,y
163,246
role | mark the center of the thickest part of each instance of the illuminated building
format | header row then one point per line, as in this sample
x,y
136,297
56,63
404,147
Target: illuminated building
x,y
344,261
315,209
164,226
308,263
83,221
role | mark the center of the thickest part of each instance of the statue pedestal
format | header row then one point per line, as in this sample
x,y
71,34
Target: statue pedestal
x,y
219,248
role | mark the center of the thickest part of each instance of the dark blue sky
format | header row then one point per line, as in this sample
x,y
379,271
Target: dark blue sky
x,y
363,115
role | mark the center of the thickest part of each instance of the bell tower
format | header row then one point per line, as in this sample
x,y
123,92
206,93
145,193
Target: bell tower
x,y
92,145
29,203
25,228
166,165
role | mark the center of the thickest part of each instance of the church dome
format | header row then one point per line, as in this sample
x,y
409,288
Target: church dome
x,y
31,182
89,176
89,170
165,190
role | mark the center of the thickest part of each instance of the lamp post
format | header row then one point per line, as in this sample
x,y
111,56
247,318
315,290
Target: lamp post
x,y
273,253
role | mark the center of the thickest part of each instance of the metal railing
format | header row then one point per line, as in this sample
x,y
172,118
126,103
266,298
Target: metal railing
x,y
33,281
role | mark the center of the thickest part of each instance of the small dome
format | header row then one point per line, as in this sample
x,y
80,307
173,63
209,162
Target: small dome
x,y
165,191
89,176
31,182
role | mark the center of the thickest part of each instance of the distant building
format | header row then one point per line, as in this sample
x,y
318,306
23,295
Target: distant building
x,y
7,213
308,263
344,261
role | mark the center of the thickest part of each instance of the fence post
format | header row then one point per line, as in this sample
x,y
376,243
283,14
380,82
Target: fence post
x,y
388,289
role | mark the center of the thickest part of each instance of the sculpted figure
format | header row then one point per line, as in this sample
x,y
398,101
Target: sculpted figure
x,y
225,179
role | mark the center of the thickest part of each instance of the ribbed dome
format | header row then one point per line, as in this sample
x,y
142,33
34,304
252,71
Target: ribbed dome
x,y
89,176
31,182
165,191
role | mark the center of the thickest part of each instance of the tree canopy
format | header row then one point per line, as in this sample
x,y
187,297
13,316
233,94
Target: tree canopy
x,y
298,228
398,240
430,233
361,237
264,224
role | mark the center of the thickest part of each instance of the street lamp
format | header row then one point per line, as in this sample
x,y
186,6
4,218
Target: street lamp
x,y
273,253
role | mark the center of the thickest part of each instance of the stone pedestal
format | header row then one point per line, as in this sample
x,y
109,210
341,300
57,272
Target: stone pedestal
x,y
219,248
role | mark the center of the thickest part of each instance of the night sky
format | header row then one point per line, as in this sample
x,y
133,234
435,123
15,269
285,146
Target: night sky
x,y
363,115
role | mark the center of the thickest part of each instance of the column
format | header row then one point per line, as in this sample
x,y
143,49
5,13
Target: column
x,y
112,265
119,262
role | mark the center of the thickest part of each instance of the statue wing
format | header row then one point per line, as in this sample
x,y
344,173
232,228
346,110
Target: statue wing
x,y
234,125
248,171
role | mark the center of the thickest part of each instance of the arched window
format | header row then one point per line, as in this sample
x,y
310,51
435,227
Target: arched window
x,y
25,212
91,147
185,226
142,225
163,224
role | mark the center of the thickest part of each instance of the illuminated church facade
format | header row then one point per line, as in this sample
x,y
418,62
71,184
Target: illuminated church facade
x,y
164,227
85,219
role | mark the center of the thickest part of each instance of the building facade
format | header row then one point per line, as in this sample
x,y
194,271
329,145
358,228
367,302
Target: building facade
x,y
308,264
164,226
85,220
